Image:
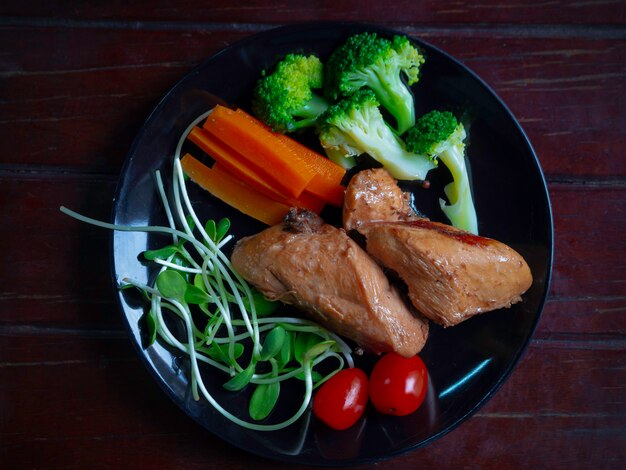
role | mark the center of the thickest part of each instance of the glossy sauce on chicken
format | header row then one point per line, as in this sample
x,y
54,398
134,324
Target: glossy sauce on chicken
x,y
451,274
374,196
318,268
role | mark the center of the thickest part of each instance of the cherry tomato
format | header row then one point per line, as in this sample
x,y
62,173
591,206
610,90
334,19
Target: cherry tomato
x,y
341,400
398,384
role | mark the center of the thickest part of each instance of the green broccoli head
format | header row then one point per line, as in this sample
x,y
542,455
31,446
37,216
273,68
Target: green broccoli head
x,y
432,131
439,135
346,114
355,126
367,60
361,108
410,59
285,99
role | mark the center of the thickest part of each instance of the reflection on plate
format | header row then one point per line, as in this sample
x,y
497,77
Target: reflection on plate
x,y
466,363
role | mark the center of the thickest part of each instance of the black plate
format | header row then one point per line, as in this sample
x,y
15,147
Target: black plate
x,y
467,363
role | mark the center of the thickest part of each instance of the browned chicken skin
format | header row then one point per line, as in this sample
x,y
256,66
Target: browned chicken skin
x,y
318,268
451,274
374,196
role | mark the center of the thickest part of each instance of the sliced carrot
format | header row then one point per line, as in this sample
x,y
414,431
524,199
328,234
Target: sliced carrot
x,y
234,192
326,184
310,202
278,162
332,195
229,160
305,201
232,161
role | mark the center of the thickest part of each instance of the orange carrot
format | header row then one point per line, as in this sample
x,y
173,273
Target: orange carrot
x,y
232,161
310,202
234,192
270,156
229,160
305,201
326,184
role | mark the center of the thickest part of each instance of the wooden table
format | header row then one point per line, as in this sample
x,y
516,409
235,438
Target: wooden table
x,y
77,79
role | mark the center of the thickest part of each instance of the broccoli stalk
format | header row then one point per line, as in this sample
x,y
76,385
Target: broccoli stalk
x,y
439,135
366,60
355,126
342,156
285,99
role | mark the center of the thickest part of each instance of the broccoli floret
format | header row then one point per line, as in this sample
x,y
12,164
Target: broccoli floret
x,y
439,135
366,60
355,125
285,99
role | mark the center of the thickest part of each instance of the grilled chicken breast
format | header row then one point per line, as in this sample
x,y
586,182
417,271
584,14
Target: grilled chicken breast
x,y
451,274
318,268
374,196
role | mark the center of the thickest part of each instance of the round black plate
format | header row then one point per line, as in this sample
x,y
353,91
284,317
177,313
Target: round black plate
x,y
466,364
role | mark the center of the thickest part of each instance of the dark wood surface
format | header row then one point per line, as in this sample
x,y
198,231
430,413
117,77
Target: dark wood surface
x,y
77,79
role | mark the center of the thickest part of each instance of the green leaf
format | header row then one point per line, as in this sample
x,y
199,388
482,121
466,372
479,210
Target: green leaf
x,y
240,380
286,352
199,282
210,229
315,376
152,327
180,260
211,324
262,306
161,253
205,309
190,222
216,352
304,342
144,293
196,296
317,349
172,284
223,227
220,352
263,400
238,350
273,343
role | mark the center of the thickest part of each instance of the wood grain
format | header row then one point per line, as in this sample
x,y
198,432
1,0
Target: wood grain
x,y
119,76
402,11
105,375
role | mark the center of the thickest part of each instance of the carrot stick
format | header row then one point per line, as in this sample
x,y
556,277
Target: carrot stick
x,y
229,160
232,161
234,192
305,201
270,156
326,184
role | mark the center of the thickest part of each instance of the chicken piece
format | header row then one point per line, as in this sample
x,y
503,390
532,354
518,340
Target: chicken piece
x,y
374,196
451,274
318,268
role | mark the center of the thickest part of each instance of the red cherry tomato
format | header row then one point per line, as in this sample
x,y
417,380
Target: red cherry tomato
x,y
341,400
398,384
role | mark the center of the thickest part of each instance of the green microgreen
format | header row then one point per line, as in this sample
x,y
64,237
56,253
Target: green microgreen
x,y
273,343
239,334
241,379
